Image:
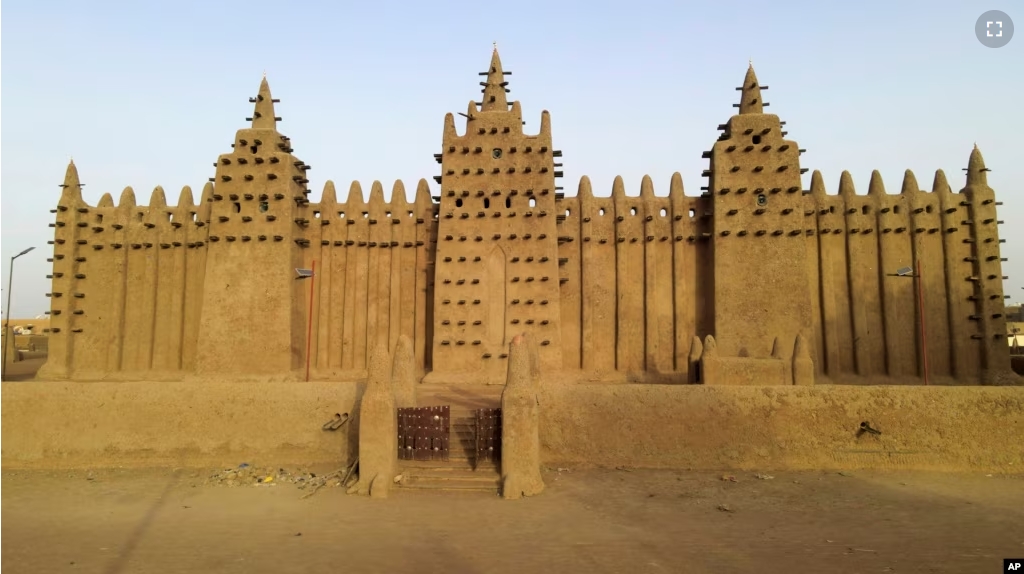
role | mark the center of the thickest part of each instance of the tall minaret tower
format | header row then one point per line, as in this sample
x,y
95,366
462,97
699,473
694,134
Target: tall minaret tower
x,y
497,251
253,321
762,275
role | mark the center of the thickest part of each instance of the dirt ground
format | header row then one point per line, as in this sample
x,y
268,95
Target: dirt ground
x,y
166,521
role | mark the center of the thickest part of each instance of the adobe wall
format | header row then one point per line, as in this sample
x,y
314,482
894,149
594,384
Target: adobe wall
x,y
180,424
793,428
870,319
56,424
374,276
126,283
633,279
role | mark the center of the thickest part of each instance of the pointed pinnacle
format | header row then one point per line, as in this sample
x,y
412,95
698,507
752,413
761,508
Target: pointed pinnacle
x,y
263,115
71,176
494,90
976,170
750,94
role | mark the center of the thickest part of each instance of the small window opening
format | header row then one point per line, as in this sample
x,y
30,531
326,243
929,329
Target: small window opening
x,y
693,212
410,214
928,209
387,214
193,215
664,212
762,199
99,218
139,216
238,207
600,211
496,153
632,211
533,202
264,206
458,202
831,209
757,139
865,210
895,209
316,214
366,214
487,203
169,214
254,149
508,203
568,212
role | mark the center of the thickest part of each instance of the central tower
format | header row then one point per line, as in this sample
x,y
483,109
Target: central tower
x,y
497,251
254,318
761,264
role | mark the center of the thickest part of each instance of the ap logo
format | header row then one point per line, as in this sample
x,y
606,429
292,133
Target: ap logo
x,y
1015,565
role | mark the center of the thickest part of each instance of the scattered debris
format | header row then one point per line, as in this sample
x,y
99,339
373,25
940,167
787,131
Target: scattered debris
x,y
333,479
564,470
624,469
844,474
248,475
725,508
298,534
729,478
760,476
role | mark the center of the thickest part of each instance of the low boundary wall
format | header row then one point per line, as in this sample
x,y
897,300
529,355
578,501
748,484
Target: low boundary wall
x,y
135,424
80,425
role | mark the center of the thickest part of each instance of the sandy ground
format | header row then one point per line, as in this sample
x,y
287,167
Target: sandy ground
x,y
165,521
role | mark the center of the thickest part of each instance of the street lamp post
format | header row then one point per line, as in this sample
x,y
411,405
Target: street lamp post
x,y
7,313
910,272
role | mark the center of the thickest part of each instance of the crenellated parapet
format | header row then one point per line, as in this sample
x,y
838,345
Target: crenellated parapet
x,y
120,284
374,275
902,283
630,266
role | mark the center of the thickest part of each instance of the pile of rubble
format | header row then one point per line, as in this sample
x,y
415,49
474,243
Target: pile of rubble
x,y
248,475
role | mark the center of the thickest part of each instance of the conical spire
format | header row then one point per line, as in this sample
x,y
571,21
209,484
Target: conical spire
x,y
976,170
817,184
910,185
263,116
71,189
71,176
939,184
750,94
494,87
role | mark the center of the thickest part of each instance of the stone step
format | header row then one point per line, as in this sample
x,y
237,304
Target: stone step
x,y
457,486
452,477
454,463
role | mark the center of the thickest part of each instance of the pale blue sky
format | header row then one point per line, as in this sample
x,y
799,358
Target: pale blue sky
x,y
147,93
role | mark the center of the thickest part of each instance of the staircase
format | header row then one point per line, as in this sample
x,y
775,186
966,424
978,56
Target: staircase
x,y
461,472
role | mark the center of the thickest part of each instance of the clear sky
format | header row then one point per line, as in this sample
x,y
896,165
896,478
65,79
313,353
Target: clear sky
x,y
149,93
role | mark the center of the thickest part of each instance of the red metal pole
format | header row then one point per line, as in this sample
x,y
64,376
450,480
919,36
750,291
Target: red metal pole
x,y
920,312
309,330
